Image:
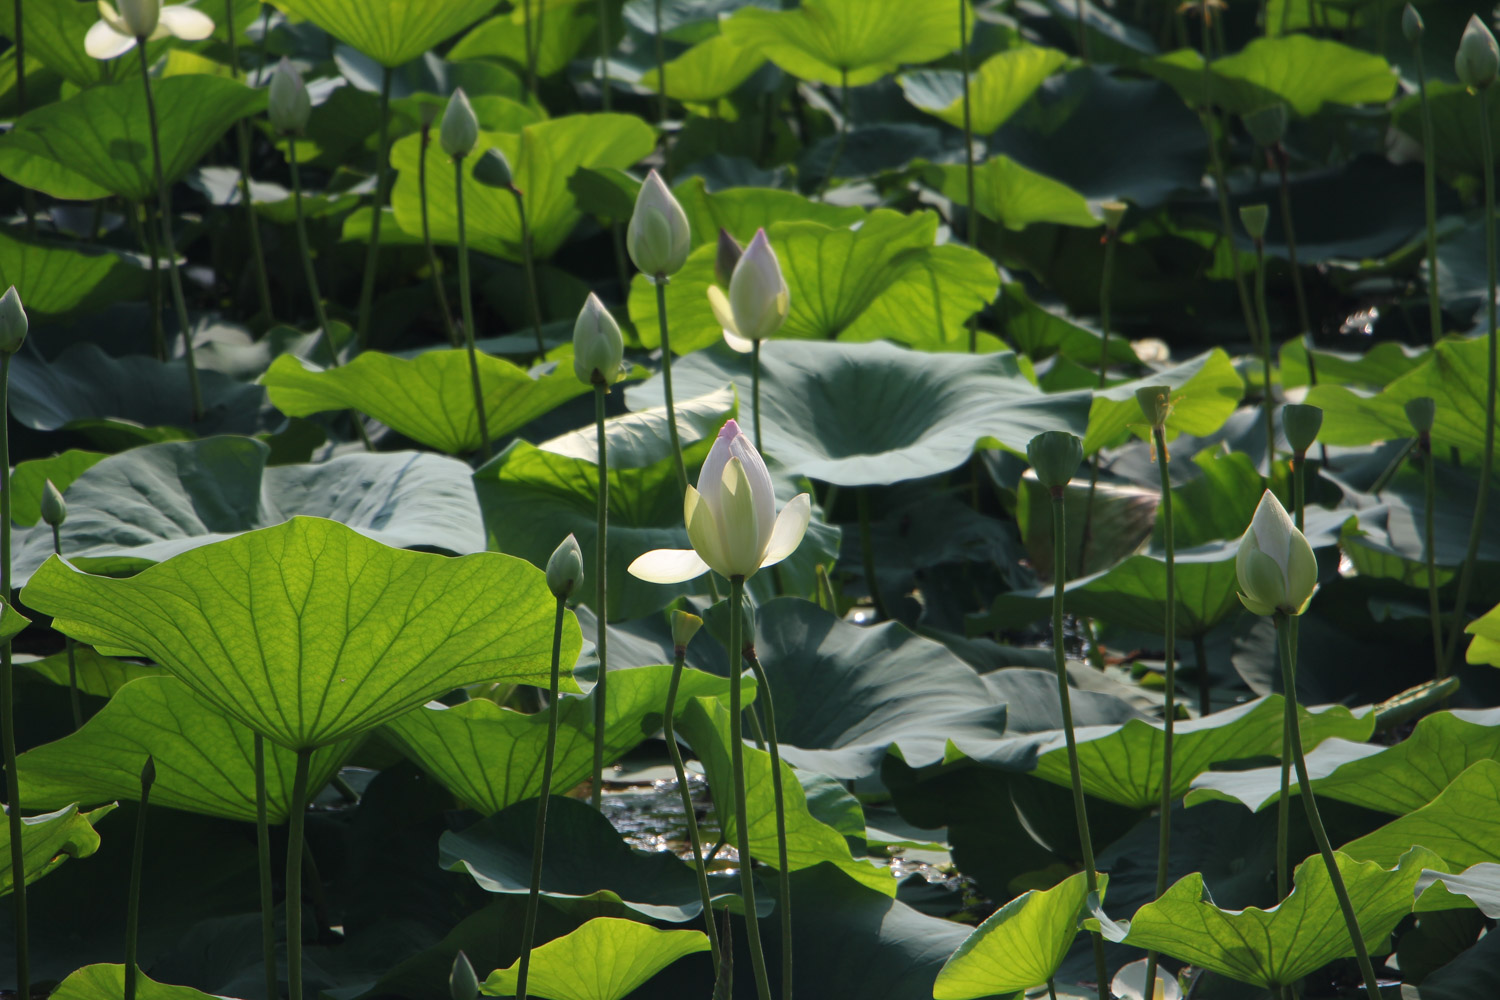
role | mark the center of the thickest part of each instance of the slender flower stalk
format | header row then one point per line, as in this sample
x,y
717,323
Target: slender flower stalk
x,y
242,139
13,327
1114,214
382,175
661,73
54,514
1205,681
1221,190
263,859
1412,27
139,214
28,205
684,627
305,249
605,97
764,700
1254,217
133,901
659,241
296,820
532,39
459,132
1421,412
1301,424
433,264
528,260
1083,53
737,764
971,219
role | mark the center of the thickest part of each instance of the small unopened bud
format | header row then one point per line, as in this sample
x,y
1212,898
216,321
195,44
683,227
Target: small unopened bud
x,y
1421,411
492,169
1055,455
1267,125
684,627
659,238
1156,403
726,257
290,104
1255,219
1478,59
54,507
13,324
1114,214
1411,24
565,568
1300,422
460,129
598,345
141,16
148,774
758,294
462,983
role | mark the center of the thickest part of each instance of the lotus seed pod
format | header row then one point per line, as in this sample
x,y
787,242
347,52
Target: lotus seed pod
x,y
1478,59
1255,218
1267,125
1411,24
565,568
1114,214
13,323
1055,455
290,104
598,345
1156,403
141,16
684,627
1421,411
658,238
54,507
1300,422
726,256
1275,565
460,129
462,983
492,169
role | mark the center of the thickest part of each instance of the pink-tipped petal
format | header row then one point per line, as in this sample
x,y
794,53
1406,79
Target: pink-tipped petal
x,y
762,490
668,566
712,473
791,526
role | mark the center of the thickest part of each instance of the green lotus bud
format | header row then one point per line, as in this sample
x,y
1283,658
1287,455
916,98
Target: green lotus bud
x,y
1255,218
1266,125
1275,565
1411,24
290,104
1156,403
13,323
141,16
148,774
1300,422
1421,411
492,169
1114,214
54,507
460,129
684,627
598,346
658,238
462,983
1478,59
759,299
1055,455
565,568
726,257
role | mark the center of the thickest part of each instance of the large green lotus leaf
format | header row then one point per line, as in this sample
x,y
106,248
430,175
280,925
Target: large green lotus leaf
x,y
873,414
1486,632
1276,947
28,479
1396,780
532,498
858,41
1480,883
543,157
1390,539
103,134
1462,824
54,35
205,763
809,841
897,692
562,26
1205,392
997,89
150,503
391,32
50,839
428,398
53,279
310,633
1123,763
1309,72
1217,503
98,675
491,757
1041,332
605,959
893,283
107,982
1008,193
743,210
1020,945
1120,521
708,71
1455,126
585,859
1379,366
636,440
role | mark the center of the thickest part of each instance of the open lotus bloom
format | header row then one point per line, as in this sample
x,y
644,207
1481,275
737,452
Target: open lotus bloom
x,y
758,301
731,518
1275,564
116,31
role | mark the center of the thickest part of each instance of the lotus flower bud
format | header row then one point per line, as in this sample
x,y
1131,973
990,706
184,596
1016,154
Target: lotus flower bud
x,y
1411,24
1275,564
140,16
462,983
658,238
684,627
1421,411
492,169
1300,422
460,128
1255,218
758,296
1055,455
13,323
1156,403
148,775
1114,214
565,568
598,346
726,257
1478,59
290,104
1266,125
54,507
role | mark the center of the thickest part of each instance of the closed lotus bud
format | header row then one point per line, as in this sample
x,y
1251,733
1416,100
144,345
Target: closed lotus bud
x,y
1411,24
726,257
1114,214
684,627
492,169
1275,564
598,346
565,568
1300,422
141,16
1267,125
148,774
13,323
1255,219
462,983
460,128
1055,455
290,103
1478,59
758,296
1156,403
1421,411
658,238
54,507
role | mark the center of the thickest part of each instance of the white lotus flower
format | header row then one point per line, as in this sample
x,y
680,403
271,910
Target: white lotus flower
x,y
1275,564
116,31
731,518
758,299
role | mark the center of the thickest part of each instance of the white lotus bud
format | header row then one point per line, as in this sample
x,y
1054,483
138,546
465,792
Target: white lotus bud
x,y
659,238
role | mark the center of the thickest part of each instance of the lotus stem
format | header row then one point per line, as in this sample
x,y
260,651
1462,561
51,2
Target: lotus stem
x,y
140,224
532,40
755,391
1303,320
661,75
1060,659
1268,403
432,259
164,206
295,824
867,551
1221,190
741,813
601,597
133,900
466,302
679,656
1429,543
8,709
1429,194
71,647
763,700
838,149
666,379
605,99
1487,460
539,837
1106,282
242,137
382,173
1205,682
526,258
1083,46
1288,642
308,270
1164,838
263,858
971,220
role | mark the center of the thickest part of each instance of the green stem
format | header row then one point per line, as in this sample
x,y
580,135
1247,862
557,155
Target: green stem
x,y
971,220
755,392
382,172
1487,459
242,137
763,700
70,646
1105,283
1221,189
1164,838
605,99
263,857
1268,402
867,551
539,836
466,303
741,813
164,205
1298,291
1310,806
145,236
661,73
526,259
1205,682
432,258
307,263
1429,194
8,709
133,900
1434,611
295,823
19,44
601,597
1060,660
689,813
1284,800
666,381
838,149
531,41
